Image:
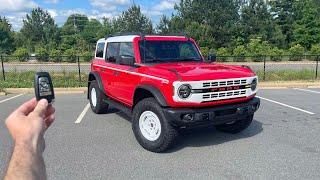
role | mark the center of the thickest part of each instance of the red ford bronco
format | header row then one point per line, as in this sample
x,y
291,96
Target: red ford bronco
x,y
165,84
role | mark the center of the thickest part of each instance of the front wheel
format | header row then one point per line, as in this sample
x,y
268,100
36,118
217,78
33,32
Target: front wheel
x,y
96,98
151,128
235,127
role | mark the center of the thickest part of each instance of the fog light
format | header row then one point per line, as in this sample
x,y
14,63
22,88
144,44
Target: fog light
x,y
188,117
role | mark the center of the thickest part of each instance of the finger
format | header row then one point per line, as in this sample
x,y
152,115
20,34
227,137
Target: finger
x,y
27,107
50,110
49,120
41,108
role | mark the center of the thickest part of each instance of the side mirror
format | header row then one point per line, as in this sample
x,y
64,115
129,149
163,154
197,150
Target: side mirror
x,y
212,58
127,60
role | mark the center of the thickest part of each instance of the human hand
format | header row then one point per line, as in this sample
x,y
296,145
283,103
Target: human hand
x,y
28,123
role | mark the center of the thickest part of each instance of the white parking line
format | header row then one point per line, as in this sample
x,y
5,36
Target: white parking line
x,y
83,113
286,105
8,99
307,90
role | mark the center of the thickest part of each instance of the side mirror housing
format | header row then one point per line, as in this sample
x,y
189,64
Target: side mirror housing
x,y
127,60
212,58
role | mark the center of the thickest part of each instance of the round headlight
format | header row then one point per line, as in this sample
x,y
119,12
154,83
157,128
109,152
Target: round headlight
x,y
254,84
184,91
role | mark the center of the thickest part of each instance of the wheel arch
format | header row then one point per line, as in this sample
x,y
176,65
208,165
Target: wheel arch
x,y
94,76
145,91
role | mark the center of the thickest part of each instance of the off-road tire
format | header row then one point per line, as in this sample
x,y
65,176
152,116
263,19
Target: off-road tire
x,y
101,107
235,127
168,133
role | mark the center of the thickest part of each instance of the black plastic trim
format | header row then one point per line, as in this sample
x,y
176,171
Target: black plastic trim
x,y
155,92
98,79
215,115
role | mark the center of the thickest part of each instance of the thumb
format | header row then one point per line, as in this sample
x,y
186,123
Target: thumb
x,y
41,108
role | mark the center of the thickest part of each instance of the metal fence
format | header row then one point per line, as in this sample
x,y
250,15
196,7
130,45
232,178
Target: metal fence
x,y
73,70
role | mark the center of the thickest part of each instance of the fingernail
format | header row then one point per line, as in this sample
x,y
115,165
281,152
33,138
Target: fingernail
x,y
43,102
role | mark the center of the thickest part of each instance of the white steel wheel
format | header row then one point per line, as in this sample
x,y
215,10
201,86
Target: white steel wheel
x,y
93,95
150,126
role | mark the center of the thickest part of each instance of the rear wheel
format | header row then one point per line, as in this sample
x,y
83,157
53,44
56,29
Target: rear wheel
x,y
96,98
151,128
237,126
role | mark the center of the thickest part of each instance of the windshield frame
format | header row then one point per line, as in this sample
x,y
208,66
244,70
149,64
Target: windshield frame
x,y
141,44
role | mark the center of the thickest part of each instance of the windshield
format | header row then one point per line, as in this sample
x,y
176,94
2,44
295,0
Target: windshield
x,y
168,51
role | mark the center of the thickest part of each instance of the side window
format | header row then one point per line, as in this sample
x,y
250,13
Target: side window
x,y
186,50
99,52
126,49
112,51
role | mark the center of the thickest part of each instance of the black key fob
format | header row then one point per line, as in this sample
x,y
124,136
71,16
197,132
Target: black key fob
x,y
43,86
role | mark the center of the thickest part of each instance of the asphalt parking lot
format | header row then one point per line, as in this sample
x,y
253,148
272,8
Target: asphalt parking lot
x,y
283,142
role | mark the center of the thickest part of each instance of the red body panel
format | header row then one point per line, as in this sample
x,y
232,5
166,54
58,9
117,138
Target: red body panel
x,y
120,81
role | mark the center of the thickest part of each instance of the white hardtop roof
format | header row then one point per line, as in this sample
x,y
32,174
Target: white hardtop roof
x,y
129,38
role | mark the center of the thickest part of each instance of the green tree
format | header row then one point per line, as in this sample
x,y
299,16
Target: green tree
x,y
202,33
296,52
276,54
315,50
39,28
220,16
90,34
258,49
132,20
283,13
42,54
71,32
307,28
239,53
55,55
6,37
21,53
256,21
222,54
164,25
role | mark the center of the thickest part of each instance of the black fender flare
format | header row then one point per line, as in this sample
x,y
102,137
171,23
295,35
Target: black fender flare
x,y
155,92
97,78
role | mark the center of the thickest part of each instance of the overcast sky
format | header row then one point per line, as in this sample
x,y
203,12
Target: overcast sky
x,y
15,10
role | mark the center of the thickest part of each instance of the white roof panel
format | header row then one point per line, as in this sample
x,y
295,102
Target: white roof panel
x,y
128,38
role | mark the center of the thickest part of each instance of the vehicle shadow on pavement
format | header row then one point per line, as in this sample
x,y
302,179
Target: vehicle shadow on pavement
x,y
209,136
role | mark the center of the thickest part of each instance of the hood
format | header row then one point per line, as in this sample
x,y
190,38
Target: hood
x,y
198,71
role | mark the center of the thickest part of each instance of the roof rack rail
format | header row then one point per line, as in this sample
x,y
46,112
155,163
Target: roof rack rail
x,y
142,35
126,34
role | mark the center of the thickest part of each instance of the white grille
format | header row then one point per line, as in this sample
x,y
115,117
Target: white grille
x,y
224,83
224,95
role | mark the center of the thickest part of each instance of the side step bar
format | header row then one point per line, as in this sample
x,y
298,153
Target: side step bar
x,y
127,110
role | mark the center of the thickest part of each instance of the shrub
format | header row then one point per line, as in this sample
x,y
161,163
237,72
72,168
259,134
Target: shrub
x,y
55,55
42,54
204,51
258,49
276,54
296,53
71,55
222,54
86,56
22,54
315,51
239,52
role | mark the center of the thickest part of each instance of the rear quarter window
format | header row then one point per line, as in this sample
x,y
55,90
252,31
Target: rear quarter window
x,y
100,50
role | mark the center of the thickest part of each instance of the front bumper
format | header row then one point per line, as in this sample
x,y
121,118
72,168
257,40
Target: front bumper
x,y
212,115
